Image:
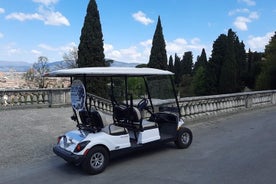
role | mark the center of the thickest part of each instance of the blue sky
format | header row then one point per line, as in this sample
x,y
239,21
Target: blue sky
x,y
33,28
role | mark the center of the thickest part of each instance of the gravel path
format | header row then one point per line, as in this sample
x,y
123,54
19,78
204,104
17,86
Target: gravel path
x,y
28,135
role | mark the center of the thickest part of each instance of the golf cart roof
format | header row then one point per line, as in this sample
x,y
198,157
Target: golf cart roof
x,y
107,71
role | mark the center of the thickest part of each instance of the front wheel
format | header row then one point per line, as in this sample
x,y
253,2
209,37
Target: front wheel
x,y
96,160
184,138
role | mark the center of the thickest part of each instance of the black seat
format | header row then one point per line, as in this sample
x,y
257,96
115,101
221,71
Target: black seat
x,y
91,120
128,117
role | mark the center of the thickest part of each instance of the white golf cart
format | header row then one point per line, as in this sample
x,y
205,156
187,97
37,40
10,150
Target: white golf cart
x,y
144,111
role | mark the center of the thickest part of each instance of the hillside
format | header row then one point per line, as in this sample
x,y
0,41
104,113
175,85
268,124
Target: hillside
x,y
21,66
18,66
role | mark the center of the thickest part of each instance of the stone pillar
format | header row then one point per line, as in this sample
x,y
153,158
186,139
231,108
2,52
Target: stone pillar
x,y
248,101
273,101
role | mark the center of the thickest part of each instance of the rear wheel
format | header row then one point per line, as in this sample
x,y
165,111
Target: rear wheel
x,y
96,160
184,138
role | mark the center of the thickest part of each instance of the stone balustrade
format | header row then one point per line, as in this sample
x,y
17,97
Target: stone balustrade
x,y
34,98
99,102
194,107
190,107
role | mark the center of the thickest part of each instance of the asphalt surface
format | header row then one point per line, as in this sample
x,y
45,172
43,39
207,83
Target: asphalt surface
x,y
239,148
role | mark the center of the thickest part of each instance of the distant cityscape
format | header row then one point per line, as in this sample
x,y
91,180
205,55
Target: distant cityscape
x,y
21,66
12,75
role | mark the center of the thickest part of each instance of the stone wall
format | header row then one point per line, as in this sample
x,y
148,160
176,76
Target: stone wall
x,y
191,107
34,98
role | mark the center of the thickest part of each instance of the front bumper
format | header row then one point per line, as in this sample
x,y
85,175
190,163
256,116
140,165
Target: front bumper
x,y
67,155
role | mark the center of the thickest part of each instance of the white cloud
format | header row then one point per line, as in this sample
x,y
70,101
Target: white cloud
x,y
180,45
46,2
253,15
140,52
23,16
45,14
236,11
258,43
47,47
146,43
2,10
142,18
53,18
248,2
1,35
241,22
36,52
129,55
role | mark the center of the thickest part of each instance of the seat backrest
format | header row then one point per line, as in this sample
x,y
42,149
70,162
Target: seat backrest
x,y
133,114
91,119
119,113
126,114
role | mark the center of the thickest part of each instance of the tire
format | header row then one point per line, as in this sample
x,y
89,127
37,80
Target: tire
x,y
184,138
96,160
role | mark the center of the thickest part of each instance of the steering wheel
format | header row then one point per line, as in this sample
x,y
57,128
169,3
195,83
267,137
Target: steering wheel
x,y
142,104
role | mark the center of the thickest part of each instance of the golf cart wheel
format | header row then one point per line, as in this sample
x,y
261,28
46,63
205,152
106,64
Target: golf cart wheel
x,y
184,138
96,160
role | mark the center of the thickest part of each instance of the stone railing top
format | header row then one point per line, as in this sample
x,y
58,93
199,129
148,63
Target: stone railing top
x,y
226,95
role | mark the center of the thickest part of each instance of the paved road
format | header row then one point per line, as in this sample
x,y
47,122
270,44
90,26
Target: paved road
x,y
240,148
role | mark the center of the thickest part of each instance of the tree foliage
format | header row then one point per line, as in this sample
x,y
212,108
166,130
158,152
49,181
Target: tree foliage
x,y
90,50
227,63
267,77
158,55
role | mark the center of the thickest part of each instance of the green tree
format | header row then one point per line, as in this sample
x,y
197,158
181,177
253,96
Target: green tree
x,y
267,77
228,77
187,63
201,60
200,82
90,50
227,63
216,60
158,55
253,68
171,66
177,70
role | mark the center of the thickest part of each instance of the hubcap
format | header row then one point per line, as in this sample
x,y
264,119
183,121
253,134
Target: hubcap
x,y
97,160
185,138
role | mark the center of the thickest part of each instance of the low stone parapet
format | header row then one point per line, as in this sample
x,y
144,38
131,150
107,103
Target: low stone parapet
x,y
34,98
190,107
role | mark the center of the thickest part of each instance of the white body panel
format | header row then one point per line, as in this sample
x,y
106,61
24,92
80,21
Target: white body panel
x,y
148,136
112,142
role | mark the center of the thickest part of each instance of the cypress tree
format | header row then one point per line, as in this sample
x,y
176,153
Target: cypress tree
x,y
171,67
187,63
216,60
201,60
229,75
90,50
177,70
253,68
227,63
267,77
158,55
